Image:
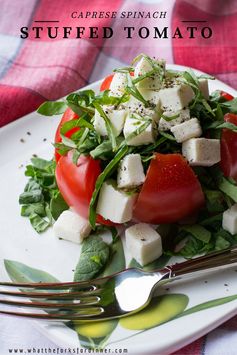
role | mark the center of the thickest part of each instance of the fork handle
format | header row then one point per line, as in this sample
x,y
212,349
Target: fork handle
x,y
207,262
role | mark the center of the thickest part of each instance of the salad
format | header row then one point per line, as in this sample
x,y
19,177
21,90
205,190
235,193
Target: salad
x,y
153,152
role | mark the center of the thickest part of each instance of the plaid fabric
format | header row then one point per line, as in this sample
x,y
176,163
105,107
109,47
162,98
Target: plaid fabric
x,y
34,70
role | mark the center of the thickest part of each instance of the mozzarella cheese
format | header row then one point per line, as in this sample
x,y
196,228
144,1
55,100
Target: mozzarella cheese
x,y
134,122
136,106
202,151
114,204
229,221
152,96
182,116
118,84
71,226
116,117
143,242
187,130
203,86
176,98
130,171
143,67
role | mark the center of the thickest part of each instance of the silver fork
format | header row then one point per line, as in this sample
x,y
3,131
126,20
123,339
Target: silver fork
x,y
117,295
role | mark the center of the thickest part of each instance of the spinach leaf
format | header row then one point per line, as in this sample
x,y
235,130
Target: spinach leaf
x,y
81,122
41,199
231,105
102,151
51,108
38,208
31,197
41,164
198,232
229,188
94,256
57,205
39,223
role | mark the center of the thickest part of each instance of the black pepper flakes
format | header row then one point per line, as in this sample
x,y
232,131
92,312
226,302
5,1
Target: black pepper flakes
x,y
22,140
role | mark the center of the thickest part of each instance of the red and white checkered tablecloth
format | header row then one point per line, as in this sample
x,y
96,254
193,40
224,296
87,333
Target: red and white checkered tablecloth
x,y
34,70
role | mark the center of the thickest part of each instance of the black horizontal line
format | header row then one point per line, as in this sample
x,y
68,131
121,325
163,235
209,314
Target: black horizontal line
x,y
46,21
194,21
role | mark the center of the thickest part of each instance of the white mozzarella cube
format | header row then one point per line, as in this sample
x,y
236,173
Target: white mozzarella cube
x,y
132,124
130,171
152,96
202,151
229,221
71,226
144,243
203,86
176,98
187,130
182,116
116,117
136,106
143,67
118,84
114,204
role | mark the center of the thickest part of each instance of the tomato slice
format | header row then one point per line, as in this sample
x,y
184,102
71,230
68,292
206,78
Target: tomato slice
x,y
226,96
67,116
171,191
76,182
106,83
229,148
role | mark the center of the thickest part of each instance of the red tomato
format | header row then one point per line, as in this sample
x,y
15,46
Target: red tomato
x,y
226,96
106,83
229,148
76,182
170,192
67,116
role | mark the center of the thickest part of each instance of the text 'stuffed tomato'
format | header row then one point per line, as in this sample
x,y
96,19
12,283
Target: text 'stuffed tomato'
x,y
229,148
67,116
76,182
171,191
106,83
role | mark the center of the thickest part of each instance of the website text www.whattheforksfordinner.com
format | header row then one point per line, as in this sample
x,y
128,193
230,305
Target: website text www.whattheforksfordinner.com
x,y
67,351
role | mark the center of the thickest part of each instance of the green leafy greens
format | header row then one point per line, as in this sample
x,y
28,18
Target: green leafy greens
x,y
41,200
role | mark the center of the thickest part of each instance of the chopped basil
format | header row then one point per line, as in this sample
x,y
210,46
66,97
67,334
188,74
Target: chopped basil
x,y
170,118
108,125
104,175
141,127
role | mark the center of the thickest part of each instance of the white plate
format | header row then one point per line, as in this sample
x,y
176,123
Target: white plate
x,y
20,242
